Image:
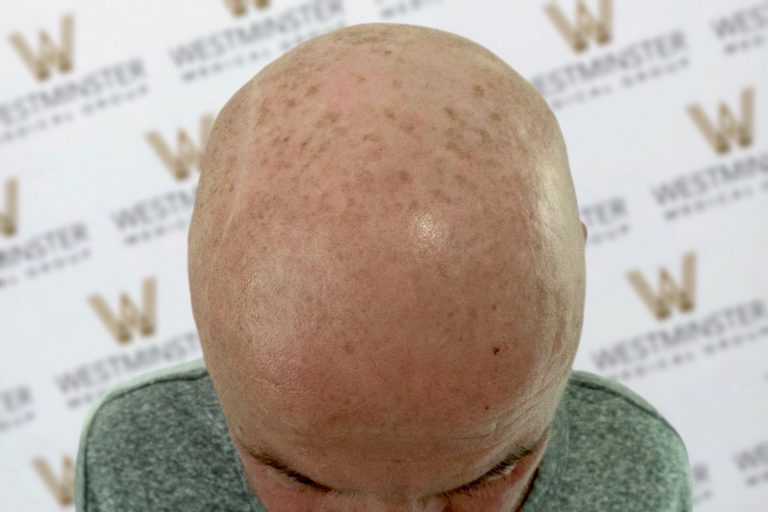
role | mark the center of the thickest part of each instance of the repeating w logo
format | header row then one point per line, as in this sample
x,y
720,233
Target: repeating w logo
x,y
9,219
63,489
239,7
670,294
587,25
50,55
729,127
188,154
144,321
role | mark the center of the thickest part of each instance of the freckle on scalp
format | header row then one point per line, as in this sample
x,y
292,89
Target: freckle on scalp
x,y
332,116
496,350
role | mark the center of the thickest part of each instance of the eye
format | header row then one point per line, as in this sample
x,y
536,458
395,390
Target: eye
x,y
306,486
467,491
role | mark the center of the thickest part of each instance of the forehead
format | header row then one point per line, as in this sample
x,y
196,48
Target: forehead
x,y
400,458
355,415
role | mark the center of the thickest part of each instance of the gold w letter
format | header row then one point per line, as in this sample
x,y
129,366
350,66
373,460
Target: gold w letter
x,y
10,218
239,8
188,155
63,489
729,127
50,55
669,293
130,317
586,24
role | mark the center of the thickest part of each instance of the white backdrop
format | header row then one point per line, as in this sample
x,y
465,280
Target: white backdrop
x,y
90,210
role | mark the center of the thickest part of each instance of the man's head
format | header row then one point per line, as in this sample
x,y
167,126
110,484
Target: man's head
x,y
386,267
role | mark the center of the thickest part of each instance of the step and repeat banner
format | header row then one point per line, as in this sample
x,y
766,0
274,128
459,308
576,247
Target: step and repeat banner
x,y
105,107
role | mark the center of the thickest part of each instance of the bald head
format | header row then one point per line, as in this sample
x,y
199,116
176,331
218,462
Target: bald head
x,y
386,266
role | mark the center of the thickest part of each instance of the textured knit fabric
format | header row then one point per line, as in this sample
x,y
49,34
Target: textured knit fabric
x,y
160,443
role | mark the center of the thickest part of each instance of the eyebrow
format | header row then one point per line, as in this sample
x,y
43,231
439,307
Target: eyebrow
x,y
512,458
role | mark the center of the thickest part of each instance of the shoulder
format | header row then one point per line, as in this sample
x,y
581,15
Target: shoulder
x,y
145,443
173,381
144,405
624,448
586,387
598,406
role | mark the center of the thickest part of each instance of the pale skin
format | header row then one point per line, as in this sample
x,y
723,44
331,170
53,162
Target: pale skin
x,y
386,268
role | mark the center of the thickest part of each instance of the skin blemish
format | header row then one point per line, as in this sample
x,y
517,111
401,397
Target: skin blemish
x,y
389,113
328,118
452,146
396,84
290,102
478,90
485,137
495,116
496,350
312,89
387,52
371,137
323,147
450,112
264,109
408,127
360,78
440,195
331,116
464,183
